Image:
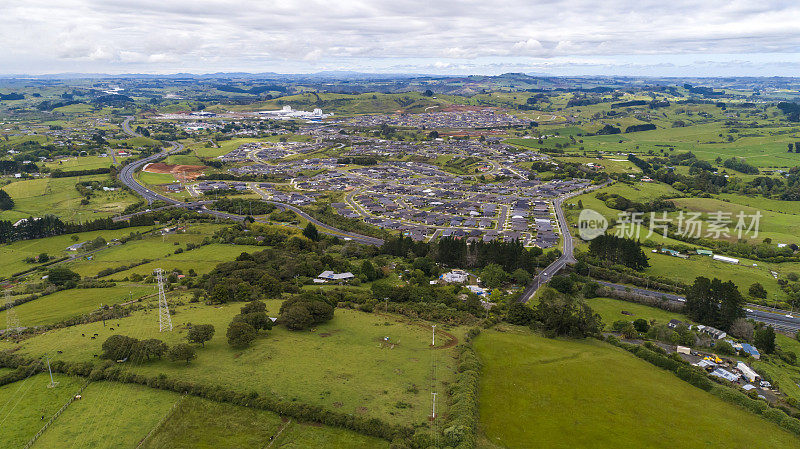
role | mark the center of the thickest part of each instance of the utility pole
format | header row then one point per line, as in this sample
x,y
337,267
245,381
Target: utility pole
x,y
12,320
164,318
53,384
433,410
433,341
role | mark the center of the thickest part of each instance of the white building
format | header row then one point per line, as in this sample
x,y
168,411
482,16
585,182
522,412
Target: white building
x,y
725,259
747,372
455,277
331,276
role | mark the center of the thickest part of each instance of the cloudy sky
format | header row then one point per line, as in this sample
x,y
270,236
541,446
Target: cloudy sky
x,y
560,37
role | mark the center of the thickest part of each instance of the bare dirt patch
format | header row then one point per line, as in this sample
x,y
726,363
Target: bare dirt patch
x,y
189,171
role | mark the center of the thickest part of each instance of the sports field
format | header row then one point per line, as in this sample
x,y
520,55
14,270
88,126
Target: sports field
x,y
537,392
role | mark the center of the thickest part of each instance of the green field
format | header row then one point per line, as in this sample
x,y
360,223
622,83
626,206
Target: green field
x,y
346,366
109,415
154,178
198,423
83,163
611,310
59,306
58,196
25,402
537,392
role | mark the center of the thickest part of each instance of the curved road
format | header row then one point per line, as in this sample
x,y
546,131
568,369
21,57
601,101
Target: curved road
x,y
566,257
126,177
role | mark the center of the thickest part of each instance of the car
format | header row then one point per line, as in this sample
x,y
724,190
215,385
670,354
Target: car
x,y
749,310
788,315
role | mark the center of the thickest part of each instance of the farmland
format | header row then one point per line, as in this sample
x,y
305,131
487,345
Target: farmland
x,y
351,345
531,379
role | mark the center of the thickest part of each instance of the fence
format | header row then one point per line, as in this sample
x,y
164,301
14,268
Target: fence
x,y
54,417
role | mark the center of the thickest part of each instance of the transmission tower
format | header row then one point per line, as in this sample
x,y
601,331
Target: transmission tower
x,y
12,320
164,319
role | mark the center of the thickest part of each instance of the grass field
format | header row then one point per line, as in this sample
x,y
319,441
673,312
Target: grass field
x,y
611,310
58,196
82,163
346,366
154,178
537,392
12,255
23,403
65,304
110,415
198,423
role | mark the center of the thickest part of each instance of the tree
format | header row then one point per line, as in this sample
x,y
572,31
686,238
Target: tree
x,y
258,320
560,315
723,347
253,307
240,334
741,328
181,351
6,202
764,339
641,325
714,302
118,347
311,232
757,291
428,93
520,314
200,333
521,276
562,284
368,270
305,310
61,276
150,348
494,275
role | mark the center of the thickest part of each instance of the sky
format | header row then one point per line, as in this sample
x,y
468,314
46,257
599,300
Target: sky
x,y
440,37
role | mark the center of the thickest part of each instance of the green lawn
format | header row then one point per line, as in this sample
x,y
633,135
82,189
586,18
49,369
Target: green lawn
x,y
83,162
50,309
345,364
23,403
538,392
199,423
110,415
154,178
611,310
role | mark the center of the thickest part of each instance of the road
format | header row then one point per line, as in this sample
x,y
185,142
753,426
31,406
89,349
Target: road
x,y
568,244
126,177
781,320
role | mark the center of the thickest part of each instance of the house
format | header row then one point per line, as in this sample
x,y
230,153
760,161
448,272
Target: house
x,y
751,350
673,323
76,246
712,331
455,277
331,276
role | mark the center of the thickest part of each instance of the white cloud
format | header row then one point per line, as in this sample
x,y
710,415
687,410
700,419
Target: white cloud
x,y
189,35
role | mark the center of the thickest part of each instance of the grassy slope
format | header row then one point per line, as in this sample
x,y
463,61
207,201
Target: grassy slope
x,y
537,392
343,364
110,415
610,310
23,403
65,304
199,423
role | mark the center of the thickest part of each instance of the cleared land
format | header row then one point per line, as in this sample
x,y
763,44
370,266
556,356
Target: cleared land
x,y
198,423
346,364
537,392
611,310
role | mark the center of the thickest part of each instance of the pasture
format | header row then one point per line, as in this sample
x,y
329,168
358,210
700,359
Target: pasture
x,y
199,423
346,364
59,306
611,310
538,392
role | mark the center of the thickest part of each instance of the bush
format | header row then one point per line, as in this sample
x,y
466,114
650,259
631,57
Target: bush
x,y
240,334
181,351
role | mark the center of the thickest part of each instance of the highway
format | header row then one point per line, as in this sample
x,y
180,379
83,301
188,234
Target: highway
x,y
781,320
126,177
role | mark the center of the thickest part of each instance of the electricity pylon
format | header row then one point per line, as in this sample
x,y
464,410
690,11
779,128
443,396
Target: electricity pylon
x,y
164,319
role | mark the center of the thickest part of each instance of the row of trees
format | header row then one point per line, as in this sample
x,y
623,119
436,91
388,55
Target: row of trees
x,y
617,250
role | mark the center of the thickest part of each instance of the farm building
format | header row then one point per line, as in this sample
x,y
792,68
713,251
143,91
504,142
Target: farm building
x,y
725,259
747,372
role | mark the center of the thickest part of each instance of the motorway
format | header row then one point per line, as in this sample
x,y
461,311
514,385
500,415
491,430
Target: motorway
x,y
781,320
126,177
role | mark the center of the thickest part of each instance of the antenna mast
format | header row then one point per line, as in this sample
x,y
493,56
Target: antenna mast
x,y
164,318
